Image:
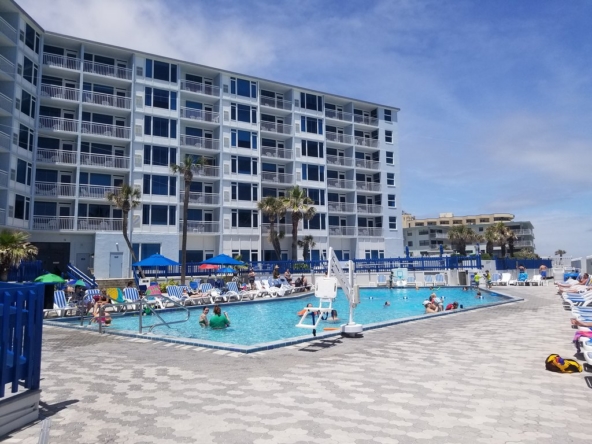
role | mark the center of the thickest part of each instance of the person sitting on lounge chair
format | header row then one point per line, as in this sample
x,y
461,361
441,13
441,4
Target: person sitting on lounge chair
x,y
578,323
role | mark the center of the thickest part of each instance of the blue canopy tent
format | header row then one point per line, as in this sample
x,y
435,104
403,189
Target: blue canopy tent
x,y
222,259
226,270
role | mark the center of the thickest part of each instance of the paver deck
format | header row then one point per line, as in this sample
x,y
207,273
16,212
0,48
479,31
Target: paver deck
x,y
476,377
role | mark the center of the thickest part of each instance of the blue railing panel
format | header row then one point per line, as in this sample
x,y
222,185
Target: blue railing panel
x,y
510,263
26,271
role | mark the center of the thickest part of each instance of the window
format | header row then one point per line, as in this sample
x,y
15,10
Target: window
x,y
243,113
390,158
318,196
391,201
243,165
311,125
388,136
26,138
245,219
392,222
316,223
161,71
160,98
424,243
158,126
423,232
21,207
159,215
484,220
311,101
242,87
444,222
159,155
160,185
374,254
142,251
23,172
28,103
313,172
390,179
388,115
30,71
410,243
312,149
243,139
244,191
32,38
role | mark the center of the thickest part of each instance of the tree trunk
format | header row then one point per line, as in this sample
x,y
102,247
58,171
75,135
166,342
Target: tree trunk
x,y
4,275
489,248
125,215
184,238
503,249
274,239
295,220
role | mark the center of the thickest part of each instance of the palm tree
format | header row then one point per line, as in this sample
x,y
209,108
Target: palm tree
x,y
511,238
274,209
491,238
560,253
126,199
460,236
186,170
14,248
299,204
503,233
307,243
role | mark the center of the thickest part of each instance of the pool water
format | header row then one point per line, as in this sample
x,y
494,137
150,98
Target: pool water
x,y
275,319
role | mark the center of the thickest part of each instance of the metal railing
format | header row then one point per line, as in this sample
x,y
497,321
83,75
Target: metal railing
x,y
368,186
338,115
107,70
105,160
341,207
268,176
272,127
111,100
7,30
6,66
201,198
280,153
96,191
366,120
3,179
272,102
339,138
522,232
56,156
200,115
340,160
438,236
366,141
285,228
369,209
198,226
6,103
53,223
59,92
206,171
336,230
368,164
199,142
60,61
99,224
55,189
521,244
369,231
343,184
105,130
5,141
58,124
200,88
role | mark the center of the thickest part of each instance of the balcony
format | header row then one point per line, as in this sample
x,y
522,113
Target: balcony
x,y
60,92
279,228
525,232
55,189
58,124
339,138
201,198
342,184
5,105
341,207
206,171
200,88
368,164
278,128
272,102
365,120
53,223
99,224
198,226
107,70
3,179
105,160
441,236
369,231
109,100
369,209
523,244
199,142
97,191
340,161
366,141
336,230
277,153
368,186
105,130
338,115
7,32
5,141
199,115
60,61
56,156
6,69
271,177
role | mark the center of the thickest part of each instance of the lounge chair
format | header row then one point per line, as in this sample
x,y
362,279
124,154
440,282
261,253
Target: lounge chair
x,y
131,294
175,293
441,280
61,307
411,281
521,280
536,280
264,289
381,280
233,292
506,278
496,279
428,280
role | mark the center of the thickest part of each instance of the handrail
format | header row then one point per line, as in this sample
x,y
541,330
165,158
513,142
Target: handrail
x,y
168,324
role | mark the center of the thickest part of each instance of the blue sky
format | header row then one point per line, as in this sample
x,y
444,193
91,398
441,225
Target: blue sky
x,y
495,96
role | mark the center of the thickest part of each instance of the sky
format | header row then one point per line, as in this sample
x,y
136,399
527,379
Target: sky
x,y
495,97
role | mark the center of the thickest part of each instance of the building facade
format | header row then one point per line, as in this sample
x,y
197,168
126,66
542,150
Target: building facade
x,y
424,237
78,119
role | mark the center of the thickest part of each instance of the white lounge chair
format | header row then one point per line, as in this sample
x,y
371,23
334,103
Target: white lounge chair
x,y
441,280
61,307
381,280
536,280
428,280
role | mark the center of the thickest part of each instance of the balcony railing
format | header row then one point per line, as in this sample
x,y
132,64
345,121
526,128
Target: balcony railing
x,y
55,156
97,191
368,164
200,142
53,223
6,66
107,100
272,127
336,230
6,103
206,171
341,207
272,102
58,124
107,70
3,179
280,153
339,138
369,209
366,120
279,228
202,198
60,61
524,232
340,160
368,186
55,189
60,92
521,244
365,141
5,141
7,30
339,115
105,130
268,176
105,160
340,183
200,115
438,236
198,226
99,224
369,231
200,88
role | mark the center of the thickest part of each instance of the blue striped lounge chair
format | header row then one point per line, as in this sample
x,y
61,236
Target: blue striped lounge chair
x,y
428,280
440,280
61,307
411,281
381,280
194,285
131,295
233,292
205,289
175,293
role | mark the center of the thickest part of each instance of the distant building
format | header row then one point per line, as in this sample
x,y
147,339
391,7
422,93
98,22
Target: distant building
x,y
423,237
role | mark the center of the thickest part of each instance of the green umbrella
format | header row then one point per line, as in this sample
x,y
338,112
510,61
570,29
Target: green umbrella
x,y
50,278
80,283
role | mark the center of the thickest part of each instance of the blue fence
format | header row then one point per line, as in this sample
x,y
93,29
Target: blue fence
x,y
21,325
27,271
510,263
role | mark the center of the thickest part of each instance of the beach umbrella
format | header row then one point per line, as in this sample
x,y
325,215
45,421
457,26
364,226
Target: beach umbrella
x,y
156,260
71,282
222,259
226,270
80,283
50,278
208,267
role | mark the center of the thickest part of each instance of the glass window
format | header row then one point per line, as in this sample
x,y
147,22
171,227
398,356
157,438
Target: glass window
x,y
390,179
311,101
148,97
392,222
21,171
19,207
312,149
391,201
244,191
160,127
161,98
26,138
159,215
388,117
316,223
161,71
311,125
243,113
149,68
30,71
388,136
31,38
390,158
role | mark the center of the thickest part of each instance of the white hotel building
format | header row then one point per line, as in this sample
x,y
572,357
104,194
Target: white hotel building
x,y
80,118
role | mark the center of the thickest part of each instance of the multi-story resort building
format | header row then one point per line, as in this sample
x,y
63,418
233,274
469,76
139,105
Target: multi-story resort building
x,y
78,119
424,237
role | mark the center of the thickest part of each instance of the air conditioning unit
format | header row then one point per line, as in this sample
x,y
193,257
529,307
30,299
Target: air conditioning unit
x,y
298,152
227,224
138,160
297,126
139,71
298,175
138,130
226,116
225,89
139,101
226,168
226,196
226,142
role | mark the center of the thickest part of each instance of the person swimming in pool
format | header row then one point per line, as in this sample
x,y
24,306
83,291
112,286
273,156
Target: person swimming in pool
x,y
219,320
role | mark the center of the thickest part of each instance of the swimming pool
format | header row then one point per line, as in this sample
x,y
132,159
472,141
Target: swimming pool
x,y
273,321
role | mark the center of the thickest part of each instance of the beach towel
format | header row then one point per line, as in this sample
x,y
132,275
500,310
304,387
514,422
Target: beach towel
x,y
555,363
116,295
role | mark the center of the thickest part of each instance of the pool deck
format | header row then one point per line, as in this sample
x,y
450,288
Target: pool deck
x,y
475,377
